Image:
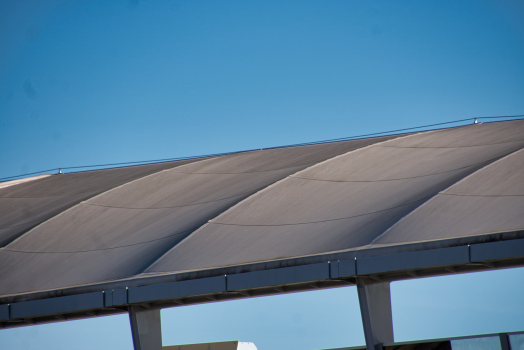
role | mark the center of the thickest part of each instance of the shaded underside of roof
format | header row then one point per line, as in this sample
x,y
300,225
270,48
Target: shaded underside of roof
x,y
355,198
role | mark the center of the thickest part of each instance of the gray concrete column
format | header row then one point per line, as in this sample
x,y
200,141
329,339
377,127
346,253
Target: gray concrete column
x,y
375,307
145,328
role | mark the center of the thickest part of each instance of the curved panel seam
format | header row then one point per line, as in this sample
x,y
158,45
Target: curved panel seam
x,y
58,195
481,195
277,182
175,206
401,178
319,221
100,194
100,249
245,172
456,182
22,224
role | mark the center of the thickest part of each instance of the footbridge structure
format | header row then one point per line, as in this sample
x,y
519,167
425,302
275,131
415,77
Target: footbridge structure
x,y
361,213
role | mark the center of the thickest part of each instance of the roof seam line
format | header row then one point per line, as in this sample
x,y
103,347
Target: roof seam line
x,y
456,182
392,137
245,172
22,224
101,249
402,178
58,195
173,207
315,222
100,194
480,195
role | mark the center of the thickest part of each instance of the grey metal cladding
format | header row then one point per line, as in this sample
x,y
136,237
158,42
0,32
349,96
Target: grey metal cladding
x,y
333,269
4,312
108,298
497,250
342,268
275,277
177,289
119,296
413,260
71,303
347,268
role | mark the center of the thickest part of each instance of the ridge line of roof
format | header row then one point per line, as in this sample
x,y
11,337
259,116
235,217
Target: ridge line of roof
x,y
349,138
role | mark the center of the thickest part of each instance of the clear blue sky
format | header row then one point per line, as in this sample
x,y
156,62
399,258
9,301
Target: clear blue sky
x,y
89,82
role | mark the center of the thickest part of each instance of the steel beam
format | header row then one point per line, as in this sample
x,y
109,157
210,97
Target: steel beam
x,y
165,291
145,328
375,307
276,277
413,260
236,282
504,341
57,306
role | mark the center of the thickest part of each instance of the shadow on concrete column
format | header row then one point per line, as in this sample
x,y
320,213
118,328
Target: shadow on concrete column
x,y
375,307
145,328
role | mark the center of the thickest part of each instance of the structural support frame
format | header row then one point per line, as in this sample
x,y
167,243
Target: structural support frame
x,y
145,328
377,317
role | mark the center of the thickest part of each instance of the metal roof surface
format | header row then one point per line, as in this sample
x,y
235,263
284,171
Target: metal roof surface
x,y
112,224
384,195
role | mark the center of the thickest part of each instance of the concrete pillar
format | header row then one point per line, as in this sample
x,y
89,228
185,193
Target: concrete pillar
x,y
145,328
375,307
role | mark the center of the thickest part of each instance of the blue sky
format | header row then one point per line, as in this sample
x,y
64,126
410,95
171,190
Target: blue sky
x,y
90,82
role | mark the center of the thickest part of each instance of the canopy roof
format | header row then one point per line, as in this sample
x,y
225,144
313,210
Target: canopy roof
x,y
263,209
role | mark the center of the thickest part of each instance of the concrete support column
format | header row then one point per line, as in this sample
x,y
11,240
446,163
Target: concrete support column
x,y
145,328
375,307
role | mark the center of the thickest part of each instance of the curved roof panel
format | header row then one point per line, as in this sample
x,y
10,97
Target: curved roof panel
x,y
488,201
343,203
467,136
28,203
120,232
351,197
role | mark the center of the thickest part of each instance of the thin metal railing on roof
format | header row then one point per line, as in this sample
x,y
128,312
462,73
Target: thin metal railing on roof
x,y
155,161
